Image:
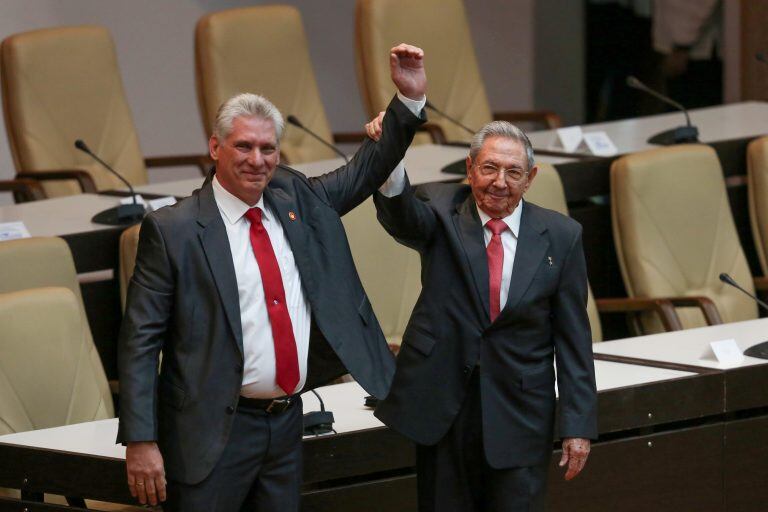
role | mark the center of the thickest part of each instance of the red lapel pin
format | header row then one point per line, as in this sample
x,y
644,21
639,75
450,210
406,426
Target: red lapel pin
x,y
291,215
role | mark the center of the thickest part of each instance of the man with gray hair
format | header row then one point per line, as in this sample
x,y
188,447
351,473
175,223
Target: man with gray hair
x,y
249,290
504,297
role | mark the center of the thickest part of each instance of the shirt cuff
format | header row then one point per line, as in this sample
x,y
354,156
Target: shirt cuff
x,y
395,184
415,106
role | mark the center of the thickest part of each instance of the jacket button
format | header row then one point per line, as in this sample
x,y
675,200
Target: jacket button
x,y
467,369
230,409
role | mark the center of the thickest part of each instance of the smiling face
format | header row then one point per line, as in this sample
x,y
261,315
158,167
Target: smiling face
x,y
498,194
246,158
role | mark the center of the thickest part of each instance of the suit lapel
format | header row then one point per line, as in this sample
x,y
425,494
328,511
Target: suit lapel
x,y
294,225
532,245
213,237
470,231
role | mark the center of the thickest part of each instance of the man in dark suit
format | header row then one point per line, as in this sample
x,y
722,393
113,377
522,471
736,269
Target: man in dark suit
x,y
504,294
249,290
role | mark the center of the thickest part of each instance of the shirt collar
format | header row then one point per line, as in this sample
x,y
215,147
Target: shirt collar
x,y
512,220
233,207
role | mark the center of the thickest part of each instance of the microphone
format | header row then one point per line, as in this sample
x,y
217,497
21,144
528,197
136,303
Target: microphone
x,y
122,214
456,122
295,122
318,422
679,135
760,350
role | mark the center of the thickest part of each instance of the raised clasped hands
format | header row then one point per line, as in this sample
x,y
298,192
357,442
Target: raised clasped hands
x,y
406,65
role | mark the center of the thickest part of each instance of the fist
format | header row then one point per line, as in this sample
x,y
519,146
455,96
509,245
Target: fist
x,y
406,65
373,129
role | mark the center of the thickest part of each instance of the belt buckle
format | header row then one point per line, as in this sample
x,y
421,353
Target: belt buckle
x,y
278,405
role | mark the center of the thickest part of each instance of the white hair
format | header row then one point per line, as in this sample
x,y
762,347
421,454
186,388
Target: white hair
x,y
501,129
246,105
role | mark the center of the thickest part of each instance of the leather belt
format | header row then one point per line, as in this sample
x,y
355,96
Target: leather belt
x,y
268,405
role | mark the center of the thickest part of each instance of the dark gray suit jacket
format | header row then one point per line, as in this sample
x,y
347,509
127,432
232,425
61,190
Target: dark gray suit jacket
x,y
183,300
450,332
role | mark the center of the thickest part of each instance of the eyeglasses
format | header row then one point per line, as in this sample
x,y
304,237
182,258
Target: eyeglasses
x,y
515,175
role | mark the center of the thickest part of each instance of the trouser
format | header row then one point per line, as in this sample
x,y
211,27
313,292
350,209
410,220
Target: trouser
x,y
260,469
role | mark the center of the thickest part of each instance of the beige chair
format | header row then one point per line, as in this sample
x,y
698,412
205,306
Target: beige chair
x,y
264,50
47,375
390,272
63,84
440,27
44,262
674,234
757,175
129,243
547,191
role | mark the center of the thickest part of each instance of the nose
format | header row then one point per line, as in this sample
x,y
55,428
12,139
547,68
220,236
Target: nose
x,y
500,180
255,158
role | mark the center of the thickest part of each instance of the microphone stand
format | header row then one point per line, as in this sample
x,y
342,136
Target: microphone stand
x,y
295,122
679,135
760,350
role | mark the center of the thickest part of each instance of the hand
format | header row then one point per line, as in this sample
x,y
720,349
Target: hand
x,y
146,473
373,129
575,453
406,65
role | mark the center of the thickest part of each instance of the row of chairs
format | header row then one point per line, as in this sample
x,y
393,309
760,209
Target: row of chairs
x,y
64,83
672,224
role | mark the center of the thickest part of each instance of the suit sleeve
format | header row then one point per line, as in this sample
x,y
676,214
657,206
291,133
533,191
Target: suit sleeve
x,y
142,333
573,348
406,216
350,185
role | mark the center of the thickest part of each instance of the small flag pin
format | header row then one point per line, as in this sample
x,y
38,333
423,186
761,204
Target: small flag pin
x,y
292,216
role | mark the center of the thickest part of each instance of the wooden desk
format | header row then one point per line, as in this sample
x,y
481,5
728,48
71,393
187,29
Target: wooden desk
x,y
654,422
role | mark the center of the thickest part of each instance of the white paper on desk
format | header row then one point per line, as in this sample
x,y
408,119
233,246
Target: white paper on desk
x,y
569,138
727,352
156,204
600,144
13,231
128,200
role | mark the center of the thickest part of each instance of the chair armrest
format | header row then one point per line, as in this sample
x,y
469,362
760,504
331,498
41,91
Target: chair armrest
x,y
87,185
24,190
202,162
761,283
661,307
705,304
545,117
349,137
434,131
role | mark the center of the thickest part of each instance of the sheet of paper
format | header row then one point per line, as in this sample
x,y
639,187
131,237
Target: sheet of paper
x,y
727,352
600,144
13,231
156,204
569,138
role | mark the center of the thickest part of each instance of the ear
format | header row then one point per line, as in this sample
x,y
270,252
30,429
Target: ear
x,y
468,162
213,147
531,175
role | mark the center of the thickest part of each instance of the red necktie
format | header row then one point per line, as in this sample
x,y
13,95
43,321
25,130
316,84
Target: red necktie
x,y
495,253
286,358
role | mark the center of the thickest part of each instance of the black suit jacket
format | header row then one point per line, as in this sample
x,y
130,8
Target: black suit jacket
x,y
183,300
450,333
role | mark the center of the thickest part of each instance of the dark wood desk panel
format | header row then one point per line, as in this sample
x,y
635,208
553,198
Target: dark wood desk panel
x,y
746,470
670,471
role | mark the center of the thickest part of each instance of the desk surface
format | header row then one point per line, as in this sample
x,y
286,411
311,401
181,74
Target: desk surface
x,y
722,122
60,216
691,346
345,400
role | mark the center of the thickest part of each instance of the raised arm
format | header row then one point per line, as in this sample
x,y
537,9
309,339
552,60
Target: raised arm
x,y
351,184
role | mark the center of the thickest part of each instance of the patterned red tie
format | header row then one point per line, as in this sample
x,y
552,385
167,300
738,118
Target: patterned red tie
x,y
286,357
495,253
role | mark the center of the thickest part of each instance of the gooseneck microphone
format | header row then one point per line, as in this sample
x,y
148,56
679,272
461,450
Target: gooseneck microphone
x,y
679,135
761,349
122,214
295,122
318,422
453,120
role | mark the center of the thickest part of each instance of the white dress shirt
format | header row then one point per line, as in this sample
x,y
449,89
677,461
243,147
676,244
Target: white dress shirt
x,y
258,344
508,242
